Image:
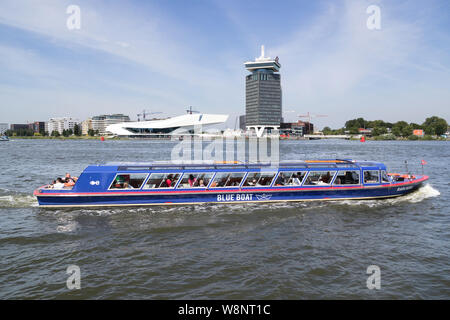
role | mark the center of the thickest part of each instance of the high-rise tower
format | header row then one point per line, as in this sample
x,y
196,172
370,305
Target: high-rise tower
x,y
263,93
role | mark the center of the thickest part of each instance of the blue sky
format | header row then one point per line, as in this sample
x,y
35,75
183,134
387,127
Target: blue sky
x,y
167,55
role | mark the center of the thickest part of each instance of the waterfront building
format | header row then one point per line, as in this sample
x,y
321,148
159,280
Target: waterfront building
x,y
86,125
163,128
364,131
19,126
298,128
263,98
61,124
37,126
3,128
291,128
101,122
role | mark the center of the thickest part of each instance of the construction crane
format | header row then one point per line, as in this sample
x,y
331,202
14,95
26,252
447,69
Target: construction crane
x,y
145,113
310,116
190,111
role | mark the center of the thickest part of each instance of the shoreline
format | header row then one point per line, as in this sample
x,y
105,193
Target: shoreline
x,y
157,139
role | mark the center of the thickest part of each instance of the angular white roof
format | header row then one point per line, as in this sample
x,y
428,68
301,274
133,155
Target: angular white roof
x,y
187,122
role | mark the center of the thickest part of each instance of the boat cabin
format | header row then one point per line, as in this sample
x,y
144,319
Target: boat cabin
x,y
166,176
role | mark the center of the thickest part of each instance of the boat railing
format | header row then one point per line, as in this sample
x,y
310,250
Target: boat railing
x,y
212,164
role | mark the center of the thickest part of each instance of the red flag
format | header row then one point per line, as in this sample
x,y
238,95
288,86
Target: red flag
x,y
424,162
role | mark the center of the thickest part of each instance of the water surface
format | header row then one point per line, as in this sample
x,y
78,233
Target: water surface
x,y
314,250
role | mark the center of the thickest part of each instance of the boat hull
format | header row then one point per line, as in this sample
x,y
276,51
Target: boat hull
x,y
235,195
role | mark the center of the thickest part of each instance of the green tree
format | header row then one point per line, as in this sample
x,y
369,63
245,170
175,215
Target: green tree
x,y
55,133
356,123
339,131
327,131
77,130
377,131
407,131
435,125
376,124
397,128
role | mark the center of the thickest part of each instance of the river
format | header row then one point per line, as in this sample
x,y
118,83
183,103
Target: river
x,y
313,250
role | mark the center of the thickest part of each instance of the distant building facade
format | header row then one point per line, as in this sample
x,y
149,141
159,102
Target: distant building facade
x,y
298,128
37,126
61,124
19,126
3,128
86,125
101,122
263,98
367,132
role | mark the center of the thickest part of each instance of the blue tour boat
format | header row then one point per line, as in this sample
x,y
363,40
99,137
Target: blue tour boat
x,y
166,183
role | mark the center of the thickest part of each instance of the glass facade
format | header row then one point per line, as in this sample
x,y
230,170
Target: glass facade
x,y
263,98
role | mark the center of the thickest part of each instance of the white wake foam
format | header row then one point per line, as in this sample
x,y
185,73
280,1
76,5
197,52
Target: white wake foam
x,y
424,192
18,201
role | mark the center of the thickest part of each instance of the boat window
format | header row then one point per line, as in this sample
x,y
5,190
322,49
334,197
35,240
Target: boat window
x,y
347,177
162,180
384,176
259,179
195,180
319,177
371,176
227,179
290,178
128,181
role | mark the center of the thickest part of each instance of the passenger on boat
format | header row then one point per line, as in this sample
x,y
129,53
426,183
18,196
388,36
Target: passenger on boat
x,y
119,182
295,179
126,185
68,181
251,182
281,180
222,182
192,180
50,186
70,178
369,177
59,184
169,181
326,178
201,183
234,182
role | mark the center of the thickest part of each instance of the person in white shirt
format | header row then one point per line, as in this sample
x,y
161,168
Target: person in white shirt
x,y
59,184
